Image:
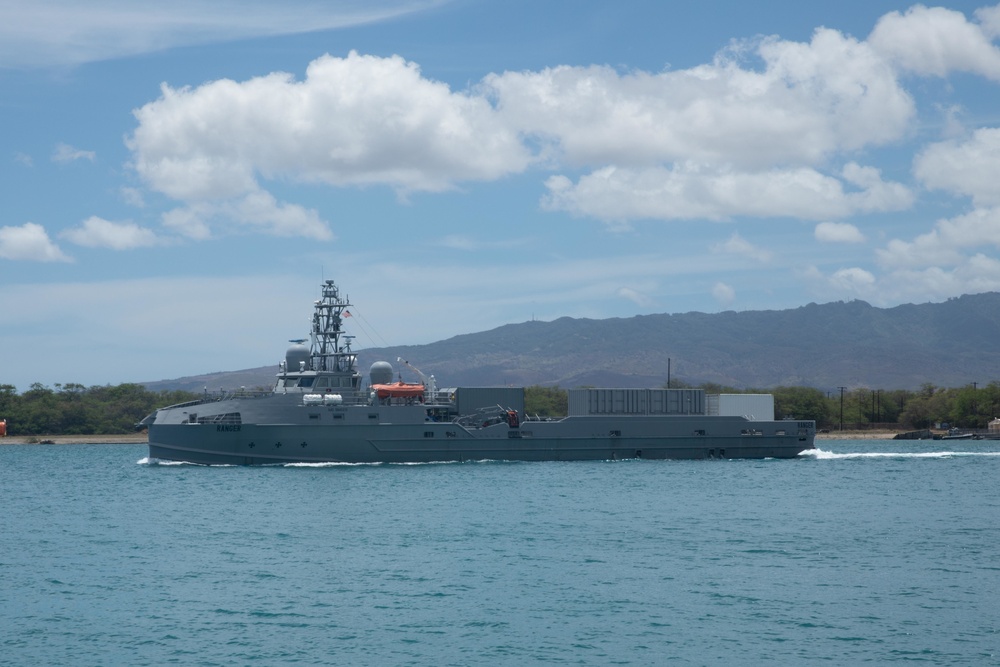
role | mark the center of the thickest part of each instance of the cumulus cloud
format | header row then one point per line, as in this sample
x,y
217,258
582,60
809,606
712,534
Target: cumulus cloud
x,y
807,102
952,258
256,211
96,232
964,167
975,274
838,232
936,41
65,153
260,210
690,191
714,141
357,120
190,221
947,243
989,19
853,280
29,242
66,32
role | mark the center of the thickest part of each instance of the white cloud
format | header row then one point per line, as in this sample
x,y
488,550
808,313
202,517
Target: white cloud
x,y
256,211
838,232
724,294
949,260
714,141
635,296
357,120
189,221
989,19
690,191
809,101
975,274
967,167
96,232
737,245
945,245
261,211
853,280
64,153
918,282
29,242
936,41
37,33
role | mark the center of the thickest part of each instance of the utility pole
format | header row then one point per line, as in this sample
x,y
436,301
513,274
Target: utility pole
x,y
842,407
975,408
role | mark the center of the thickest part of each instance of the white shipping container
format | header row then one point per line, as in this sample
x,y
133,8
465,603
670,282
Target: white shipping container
x,y
758,407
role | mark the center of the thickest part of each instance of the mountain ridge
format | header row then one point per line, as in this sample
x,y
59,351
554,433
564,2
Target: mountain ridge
x,y
842,343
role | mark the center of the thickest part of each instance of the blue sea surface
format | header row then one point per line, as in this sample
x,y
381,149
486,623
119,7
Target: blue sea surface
x,y
863,551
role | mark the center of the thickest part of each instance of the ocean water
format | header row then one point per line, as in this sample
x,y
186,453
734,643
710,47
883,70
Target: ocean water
x,y
863,552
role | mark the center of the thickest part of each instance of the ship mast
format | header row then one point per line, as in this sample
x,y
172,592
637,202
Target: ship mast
x,y
327,352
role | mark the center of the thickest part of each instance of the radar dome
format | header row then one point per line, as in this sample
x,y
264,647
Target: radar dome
x,y
380,372
294,355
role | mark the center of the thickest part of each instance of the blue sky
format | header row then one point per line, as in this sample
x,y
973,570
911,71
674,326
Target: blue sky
x,y
177,181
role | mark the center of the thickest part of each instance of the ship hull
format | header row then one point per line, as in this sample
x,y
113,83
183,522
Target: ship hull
x,y
579,439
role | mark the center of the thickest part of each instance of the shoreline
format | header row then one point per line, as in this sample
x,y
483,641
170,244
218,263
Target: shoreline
x,y
116,439
858,435
141,439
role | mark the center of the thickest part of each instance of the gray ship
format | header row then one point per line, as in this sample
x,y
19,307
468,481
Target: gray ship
x,y
322,410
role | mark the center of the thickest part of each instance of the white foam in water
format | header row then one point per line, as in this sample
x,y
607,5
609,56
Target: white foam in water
x,y
331,464
325,464
825,455
147,461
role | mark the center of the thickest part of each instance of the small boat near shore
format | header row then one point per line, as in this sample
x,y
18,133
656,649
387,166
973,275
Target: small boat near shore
x,y
322,410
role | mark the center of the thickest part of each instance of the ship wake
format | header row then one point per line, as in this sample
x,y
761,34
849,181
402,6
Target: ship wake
x,y
824,455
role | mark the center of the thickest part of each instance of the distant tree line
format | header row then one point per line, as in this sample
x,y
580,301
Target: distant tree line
x,y
72,409
970,407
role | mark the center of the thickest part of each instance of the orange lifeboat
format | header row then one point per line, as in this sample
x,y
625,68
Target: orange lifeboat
x,y
398,390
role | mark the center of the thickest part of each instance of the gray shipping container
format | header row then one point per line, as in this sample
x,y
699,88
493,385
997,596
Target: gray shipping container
x,y
636,402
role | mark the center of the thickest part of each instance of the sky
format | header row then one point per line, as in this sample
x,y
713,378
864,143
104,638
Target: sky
x,y
179,178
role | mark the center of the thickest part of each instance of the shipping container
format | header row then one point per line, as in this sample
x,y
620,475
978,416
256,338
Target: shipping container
x,y
636,402
757,407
